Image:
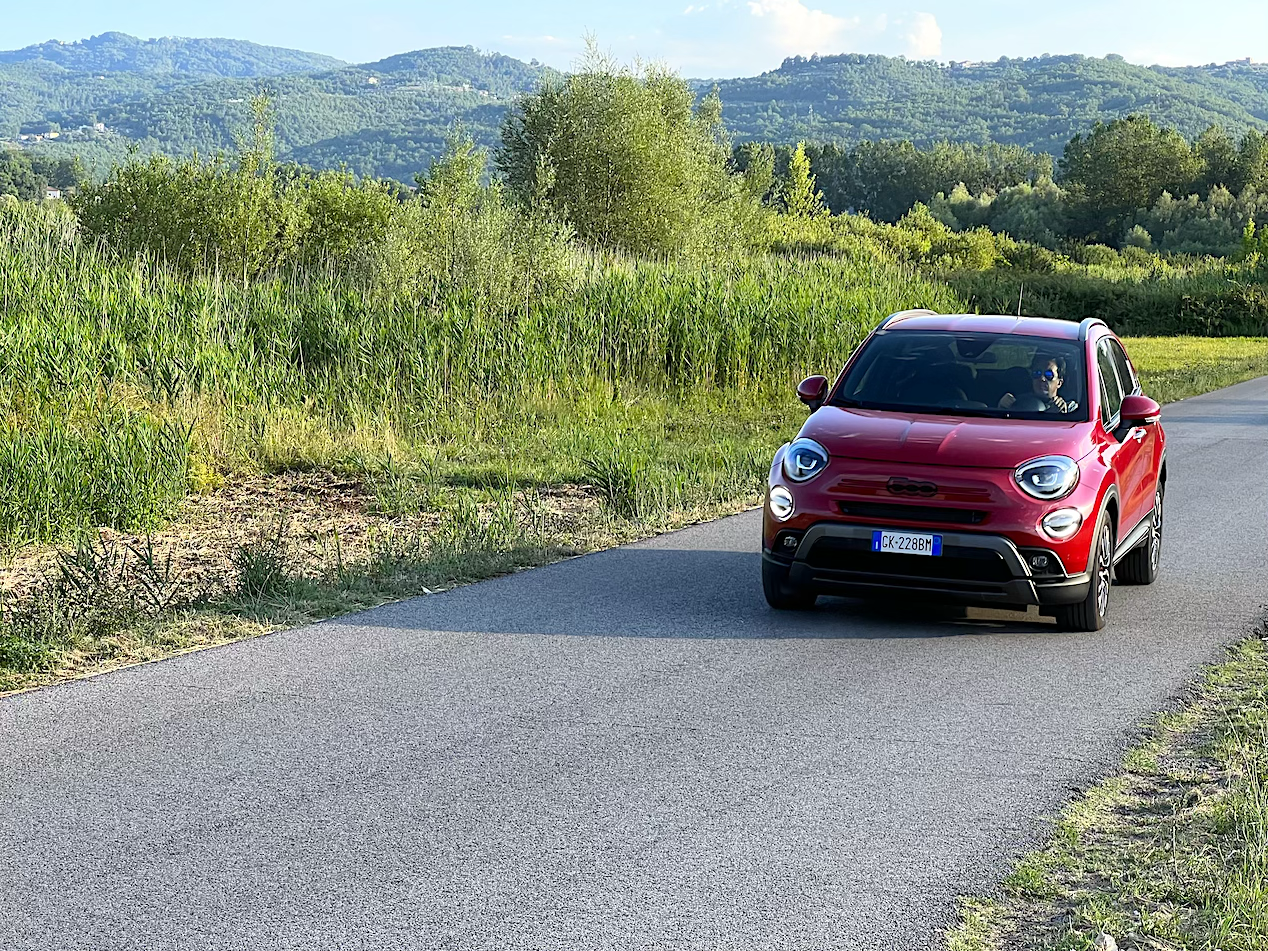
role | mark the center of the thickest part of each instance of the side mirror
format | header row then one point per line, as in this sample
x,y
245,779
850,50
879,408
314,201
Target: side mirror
x,y
1139,411
813,390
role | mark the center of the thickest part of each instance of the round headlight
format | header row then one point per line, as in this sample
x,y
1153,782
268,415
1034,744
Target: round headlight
x,y
1062,524
804,459
781,503
1048,478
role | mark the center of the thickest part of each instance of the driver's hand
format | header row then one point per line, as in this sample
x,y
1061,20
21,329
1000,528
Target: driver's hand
x,y
1007,400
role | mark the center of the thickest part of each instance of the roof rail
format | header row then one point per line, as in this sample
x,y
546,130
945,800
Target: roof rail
x,y
915,312
1086,325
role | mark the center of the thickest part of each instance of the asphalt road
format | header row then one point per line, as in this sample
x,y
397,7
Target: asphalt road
x,y
626,750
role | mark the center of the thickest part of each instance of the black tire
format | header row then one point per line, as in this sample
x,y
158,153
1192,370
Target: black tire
x,y
1090,613
780,595
1140,565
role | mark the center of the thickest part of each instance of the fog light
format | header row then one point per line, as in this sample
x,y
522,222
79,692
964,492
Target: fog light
x,y
1062,524
781,503
791,541
1039,561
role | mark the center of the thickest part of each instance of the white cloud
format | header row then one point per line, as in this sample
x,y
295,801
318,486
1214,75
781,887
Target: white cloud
x,y
922,36
795,29
546,40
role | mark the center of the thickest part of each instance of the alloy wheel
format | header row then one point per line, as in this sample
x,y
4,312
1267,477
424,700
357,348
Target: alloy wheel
x,y
1155,534
1104,573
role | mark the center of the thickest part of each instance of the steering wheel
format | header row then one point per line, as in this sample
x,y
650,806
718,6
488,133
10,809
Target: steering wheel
x,y
1029,403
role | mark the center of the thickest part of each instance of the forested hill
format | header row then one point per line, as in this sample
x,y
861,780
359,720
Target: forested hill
x,y
1040,103
98,97
121,53
388,118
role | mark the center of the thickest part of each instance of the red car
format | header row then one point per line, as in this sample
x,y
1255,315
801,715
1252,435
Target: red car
x,y
1003,461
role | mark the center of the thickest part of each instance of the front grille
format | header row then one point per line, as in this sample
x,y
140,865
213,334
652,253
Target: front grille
x,y
899,511
978,565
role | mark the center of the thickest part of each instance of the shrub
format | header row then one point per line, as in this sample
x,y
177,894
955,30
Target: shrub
x,y
465,240
1035,213
1143,305
262,567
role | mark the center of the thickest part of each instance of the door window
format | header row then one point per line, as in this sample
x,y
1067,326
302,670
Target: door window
x,y
1124,367
1111,389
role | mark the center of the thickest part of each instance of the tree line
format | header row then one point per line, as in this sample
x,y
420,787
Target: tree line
x,y
1128,182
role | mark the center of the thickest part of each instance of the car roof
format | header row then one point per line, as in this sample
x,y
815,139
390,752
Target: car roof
x,y
985,323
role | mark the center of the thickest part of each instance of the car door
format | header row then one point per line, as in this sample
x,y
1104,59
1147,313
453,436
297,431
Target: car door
x,y
1153,434
1130,447
1147,436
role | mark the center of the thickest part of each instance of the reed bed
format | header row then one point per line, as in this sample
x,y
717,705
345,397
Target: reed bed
x,y
125,383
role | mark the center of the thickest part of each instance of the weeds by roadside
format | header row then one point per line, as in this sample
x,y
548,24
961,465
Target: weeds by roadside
x,y
439,523
1169,855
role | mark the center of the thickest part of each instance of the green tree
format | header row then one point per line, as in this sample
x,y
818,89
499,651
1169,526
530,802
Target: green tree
x,y
1252,163
797,192
1034,213
626,157
1122,167
1217,153
18,178
756,162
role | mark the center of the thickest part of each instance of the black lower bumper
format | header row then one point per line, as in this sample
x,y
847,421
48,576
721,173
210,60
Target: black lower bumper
x,y
836,558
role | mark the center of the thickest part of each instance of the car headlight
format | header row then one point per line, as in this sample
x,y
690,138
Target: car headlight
x,y
804,459
1062,524
781,503
1048,478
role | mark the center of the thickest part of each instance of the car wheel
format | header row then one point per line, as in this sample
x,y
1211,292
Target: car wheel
x,y
1090,613
780,595
1140,565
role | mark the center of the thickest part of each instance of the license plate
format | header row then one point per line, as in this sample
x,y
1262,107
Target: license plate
x,y
906,543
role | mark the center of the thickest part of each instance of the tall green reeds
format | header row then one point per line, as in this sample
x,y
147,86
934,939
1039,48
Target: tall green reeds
x,y
110,369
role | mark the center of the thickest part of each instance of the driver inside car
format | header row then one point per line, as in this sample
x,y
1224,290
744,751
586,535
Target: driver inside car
x,y
1047,375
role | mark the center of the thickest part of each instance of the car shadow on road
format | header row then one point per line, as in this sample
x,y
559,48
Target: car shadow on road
x,y
681,593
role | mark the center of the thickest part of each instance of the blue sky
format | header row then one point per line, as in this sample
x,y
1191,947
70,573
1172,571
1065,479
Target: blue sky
x,y
705,38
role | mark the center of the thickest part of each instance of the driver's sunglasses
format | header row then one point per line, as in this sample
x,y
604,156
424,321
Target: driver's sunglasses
x,y
1048,375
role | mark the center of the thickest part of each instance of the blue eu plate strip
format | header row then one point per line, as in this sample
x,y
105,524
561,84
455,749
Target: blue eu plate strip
x,y
937,543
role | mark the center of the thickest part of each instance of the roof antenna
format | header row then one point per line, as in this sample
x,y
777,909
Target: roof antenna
x,y
1020,291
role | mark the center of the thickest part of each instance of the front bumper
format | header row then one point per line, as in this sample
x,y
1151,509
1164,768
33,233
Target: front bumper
x,y
837,558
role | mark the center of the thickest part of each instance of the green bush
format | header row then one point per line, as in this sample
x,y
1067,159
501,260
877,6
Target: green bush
x,y
465,240
1202,305
458,239
918,239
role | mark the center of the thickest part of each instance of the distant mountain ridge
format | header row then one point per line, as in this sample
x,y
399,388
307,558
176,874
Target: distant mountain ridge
x,y
390,118
1041,102
119,52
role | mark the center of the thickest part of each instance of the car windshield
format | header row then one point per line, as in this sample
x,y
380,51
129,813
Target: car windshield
x,y
1005,376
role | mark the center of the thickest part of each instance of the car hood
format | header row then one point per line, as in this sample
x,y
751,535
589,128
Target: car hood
x,y
943,440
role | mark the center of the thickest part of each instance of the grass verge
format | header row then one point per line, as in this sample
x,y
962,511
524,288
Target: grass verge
x,y
1175,368
1169,854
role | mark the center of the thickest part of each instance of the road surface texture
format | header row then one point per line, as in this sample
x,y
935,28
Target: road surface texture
x,y
625,750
